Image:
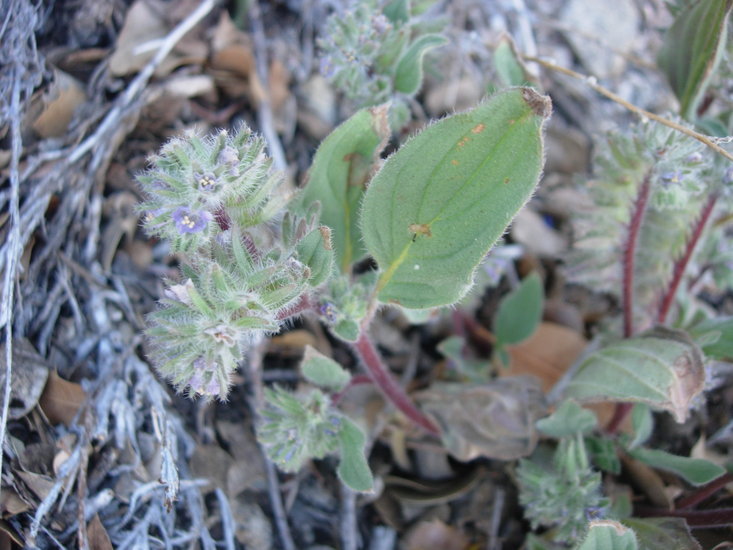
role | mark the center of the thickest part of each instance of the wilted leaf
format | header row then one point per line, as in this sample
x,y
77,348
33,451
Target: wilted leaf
x,y
692,48
323,371
341,168
61,399
353,468
520,312
408,76
495,420
609,535
663,533
697,471
440,203
662,368
569,419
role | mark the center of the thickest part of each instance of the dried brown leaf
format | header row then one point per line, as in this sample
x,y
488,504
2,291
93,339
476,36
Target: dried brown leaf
x,y
11,504
28,378
63,96
142,26
61,399
547,354
97,535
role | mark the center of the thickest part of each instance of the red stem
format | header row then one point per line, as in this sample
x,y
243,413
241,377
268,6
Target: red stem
x,y
681,264
637,217
629,260
704,492
389,386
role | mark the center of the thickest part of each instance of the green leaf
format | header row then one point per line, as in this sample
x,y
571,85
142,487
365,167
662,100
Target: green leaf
x,y
509,67
316,251
663,533
662,368
438,205
353,469
609,535
397,11
323,371
347,329
408,76
603,453
338,176
692,48
520,312
705,334
642,422
697,471
569,419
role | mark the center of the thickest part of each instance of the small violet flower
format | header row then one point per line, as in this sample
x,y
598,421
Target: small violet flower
x,y
190,221
207,182
672,177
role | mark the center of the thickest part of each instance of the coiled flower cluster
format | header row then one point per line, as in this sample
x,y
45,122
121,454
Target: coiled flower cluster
x,y
211,199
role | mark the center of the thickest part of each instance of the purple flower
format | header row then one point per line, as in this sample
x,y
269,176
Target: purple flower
x,y
190,221
207,182
673,177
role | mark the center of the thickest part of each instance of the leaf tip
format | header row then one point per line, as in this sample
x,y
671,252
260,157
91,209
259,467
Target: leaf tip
x,y
540,104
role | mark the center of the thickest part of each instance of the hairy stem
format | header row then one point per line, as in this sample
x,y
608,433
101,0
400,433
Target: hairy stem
x,y
629,260
681,264
388,385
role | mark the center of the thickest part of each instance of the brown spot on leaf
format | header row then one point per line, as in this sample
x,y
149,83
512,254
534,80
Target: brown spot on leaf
x,y
420,229
463,141
506,180
540,104
480,127
454,162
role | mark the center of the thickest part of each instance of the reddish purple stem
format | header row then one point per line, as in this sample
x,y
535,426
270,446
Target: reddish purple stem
x,y
704,492
629,261
389,386
637,217
681,264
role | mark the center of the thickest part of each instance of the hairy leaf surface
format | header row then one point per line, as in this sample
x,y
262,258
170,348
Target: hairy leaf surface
x,y
438,205
338,176
662,368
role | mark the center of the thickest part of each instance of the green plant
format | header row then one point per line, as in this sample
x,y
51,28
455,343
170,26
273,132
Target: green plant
x,y
373,52
428,217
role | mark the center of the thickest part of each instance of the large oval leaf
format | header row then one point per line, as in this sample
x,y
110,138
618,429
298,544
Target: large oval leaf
x,y
343,164
663,368
438,205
